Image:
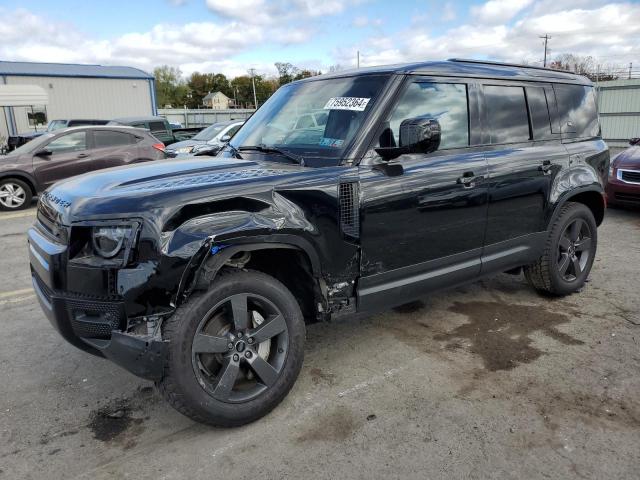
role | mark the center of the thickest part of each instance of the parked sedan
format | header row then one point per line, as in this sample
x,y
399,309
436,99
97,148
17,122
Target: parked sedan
x,y
624,178
53,156
211,139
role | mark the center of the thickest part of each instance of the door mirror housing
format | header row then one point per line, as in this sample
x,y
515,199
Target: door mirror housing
x,y
45,152
417,135
225,138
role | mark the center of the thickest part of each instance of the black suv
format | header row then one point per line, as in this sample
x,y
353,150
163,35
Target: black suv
x,y
200,274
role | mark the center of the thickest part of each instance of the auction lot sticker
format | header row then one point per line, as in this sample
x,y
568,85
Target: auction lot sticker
x,y
347,103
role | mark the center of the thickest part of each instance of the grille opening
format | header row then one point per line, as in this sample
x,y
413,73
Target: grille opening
x,y
349,209
630,176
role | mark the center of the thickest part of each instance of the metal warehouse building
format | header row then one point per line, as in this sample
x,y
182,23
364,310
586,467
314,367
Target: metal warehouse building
x,y
619,105
75,91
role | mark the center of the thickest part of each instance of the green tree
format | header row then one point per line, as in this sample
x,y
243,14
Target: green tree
x,y
169,86
200,84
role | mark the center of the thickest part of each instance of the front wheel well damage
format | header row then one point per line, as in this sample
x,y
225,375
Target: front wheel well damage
x,y
291,266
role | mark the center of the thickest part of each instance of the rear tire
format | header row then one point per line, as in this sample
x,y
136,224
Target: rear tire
x,y
235,350
14,194
569,252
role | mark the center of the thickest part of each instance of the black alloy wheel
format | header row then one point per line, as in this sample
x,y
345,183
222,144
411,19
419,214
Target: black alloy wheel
x,y
240,348
574,249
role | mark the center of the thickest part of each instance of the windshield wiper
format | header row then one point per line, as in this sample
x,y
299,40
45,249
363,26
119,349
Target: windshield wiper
x,y
271,149
234,150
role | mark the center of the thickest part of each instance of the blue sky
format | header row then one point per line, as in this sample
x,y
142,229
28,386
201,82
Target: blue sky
x,y
233,35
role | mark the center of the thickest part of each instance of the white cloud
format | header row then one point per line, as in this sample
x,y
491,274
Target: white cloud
x,y
448,12
275,12
499,11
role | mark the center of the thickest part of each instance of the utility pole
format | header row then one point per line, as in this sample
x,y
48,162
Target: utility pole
x,y
546,40
358,59
252,72
630,66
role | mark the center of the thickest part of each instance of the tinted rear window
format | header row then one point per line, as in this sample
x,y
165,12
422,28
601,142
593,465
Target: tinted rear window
x,y
577,111
157,127
507,114
106,138
539,110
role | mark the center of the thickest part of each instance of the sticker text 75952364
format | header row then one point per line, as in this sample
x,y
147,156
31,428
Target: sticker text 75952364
x,y
347,103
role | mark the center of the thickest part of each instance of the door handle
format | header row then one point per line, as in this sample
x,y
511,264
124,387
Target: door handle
x,y
82,155
545,167
468,179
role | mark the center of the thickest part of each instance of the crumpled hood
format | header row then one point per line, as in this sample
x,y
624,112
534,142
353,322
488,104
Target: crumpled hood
x,y
185,143
141,188
629,158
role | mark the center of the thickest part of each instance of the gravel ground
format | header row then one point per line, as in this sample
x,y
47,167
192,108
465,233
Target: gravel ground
x,y
486,381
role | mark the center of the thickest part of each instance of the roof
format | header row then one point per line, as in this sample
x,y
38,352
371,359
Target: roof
x,y
127,120
211,95
33,69
22,96
465,68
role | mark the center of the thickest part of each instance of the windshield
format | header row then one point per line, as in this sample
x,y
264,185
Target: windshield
x,y
315,119
209,132
33,145
56,125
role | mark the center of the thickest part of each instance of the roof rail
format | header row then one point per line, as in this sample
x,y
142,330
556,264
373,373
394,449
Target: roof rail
x,y
503,64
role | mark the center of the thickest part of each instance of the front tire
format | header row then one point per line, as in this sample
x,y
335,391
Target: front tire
x,y
235,350
569,252
14,194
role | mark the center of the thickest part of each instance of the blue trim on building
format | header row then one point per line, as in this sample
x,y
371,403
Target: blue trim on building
x,y
152,91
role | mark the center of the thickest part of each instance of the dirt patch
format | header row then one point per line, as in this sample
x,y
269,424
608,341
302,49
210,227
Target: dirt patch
x,y
318,376
412,307
500,333
338,426
119,421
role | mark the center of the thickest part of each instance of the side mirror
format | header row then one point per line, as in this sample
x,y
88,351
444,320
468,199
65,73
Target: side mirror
x,y
634,142
43,153
417,135
225,138
206,150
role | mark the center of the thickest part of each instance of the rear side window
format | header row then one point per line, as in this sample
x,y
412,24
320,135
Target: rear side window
x,y
539,111
577,111
507,114
444,102
106,138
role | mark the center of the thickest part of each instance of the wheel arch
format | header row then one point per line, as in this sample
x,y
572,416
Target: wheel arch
x,y
289,258
591,196
25,177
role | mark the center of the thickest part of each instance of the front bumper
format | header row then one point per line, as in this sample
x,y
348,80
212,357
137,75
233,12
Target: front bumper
x,y
92,323
622,193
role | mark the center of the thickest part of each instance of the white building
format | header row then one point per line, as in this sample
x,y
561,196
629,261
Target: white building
x,y
217,101
75,92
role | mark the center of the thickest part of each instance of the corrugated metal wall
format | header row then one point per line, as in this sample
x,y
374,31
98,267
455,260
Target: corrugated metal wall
x,y
619,105
73,97
203,117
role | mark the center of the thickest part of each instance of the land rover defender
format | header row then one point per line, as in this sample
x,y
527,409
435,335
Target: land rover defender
x,y
200,274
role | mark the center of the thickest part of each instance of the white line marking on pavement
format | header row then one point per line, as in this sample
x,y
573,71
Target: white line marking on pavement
x,y
15,293
16,300
8,216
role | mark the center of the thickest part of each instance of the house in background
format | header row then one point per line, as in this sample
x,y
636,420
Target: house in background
x,y
217,101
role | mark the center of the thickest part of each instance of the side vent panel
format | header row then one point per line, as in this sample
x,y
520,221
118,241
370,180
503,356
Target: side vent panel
x,y
349,209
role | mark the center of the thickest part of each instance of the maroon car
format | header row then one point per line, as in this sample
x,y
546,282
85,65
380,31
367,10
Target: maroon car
x,y
624,178
32,168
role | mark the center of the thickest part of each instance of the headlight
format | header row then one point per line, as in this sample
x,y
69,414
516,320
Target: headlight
x,y
185,150
109,241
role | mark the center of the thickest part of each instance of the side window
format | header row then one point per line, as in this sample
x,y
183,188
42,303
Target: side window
x,y
157,127
140,125
107,138
539,111
577,111
70,142
445,102
233,130
507,114
305,121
